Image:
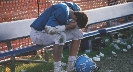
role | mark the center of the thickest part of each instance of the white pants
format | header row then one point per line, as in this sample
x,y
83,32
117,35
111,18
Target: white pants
x,y
42,38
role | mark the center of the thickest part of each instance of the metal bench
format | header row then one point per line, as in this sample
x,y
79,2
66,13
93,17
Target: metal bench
x,y
108,13
10,31
21,29
14,30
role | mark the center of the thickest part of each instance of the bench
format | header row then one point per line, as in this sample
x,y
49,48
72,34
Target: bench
x,y
10,31
111,13
21,29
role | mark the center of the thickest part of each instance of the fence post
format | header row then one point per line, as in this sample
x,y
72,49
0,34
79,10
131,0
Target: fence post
x,y
38,6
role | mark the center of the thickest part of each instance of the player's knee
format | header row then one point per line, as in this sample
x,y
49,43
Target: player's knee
x,y
77,34
60,38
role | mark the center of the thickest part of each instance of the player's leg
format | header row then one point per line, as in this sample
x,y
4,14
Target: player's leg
x,y
57,52
76,35
42,38
60,40
74,46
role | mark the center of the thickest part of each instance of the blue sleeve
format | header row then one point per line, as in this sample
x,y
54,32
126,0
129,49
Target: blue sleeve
x,y
52,22
59,16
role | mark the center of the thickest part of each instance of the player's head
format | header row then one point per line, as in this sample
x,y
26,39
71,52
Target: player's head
x,y
82,19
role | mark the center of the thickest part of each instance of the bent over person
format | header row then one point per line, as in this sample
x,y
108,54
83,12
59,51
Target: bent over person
x,y
58,23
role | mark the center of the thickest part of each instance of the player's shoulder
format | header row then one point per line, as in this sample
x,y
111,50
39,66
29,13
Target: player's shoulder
x,y
61,7
73,6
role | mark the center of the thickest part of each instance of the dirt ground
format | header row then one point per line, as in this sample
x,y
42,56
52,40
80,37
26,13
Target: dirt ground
x,y
122,63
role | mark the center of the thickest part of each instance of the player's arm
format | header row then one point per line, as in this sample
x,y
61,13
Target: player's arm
x,y
60,28
59,16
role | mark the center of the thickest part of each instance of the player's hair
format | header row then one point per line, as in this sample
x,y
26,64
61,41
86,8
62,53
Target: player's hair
x,y
82,19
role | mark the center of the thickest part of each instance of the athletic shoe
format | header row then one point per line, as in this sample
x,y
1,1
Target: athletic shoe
x,y
71,66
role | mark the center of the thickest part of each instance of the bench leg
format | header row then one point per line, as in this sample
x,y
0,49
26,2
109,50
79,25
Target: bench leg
x,y
111,37
12,57
12,64
130,31
46,55
90,45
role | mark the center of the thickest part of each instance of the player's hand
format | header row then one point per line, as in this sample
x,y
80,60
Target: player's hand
x,y
55,29
50,30
71,25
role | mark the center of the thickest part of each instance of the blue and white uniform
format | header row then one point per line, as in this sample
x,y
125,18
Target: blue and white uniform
x,y
55,15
